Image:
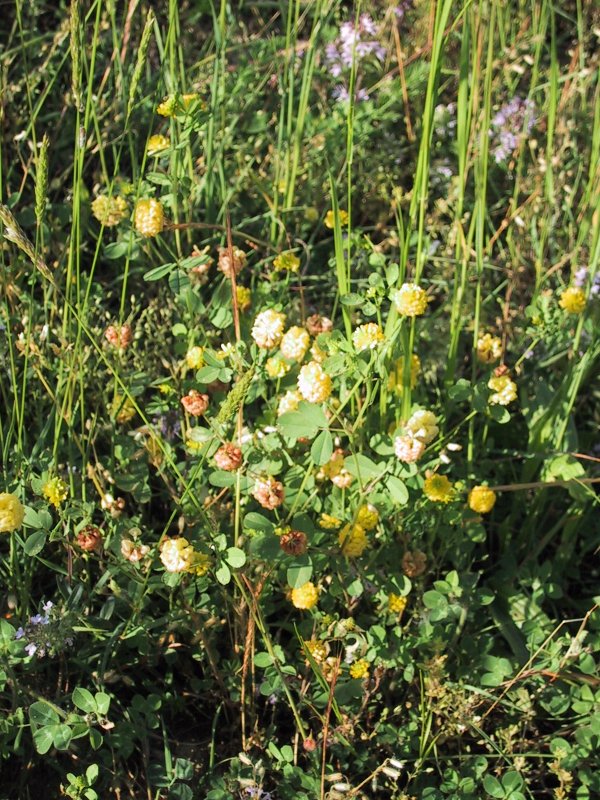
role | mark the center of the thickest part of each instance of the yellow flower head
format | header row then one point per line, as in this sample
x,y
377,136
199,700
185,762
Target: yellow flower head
x,y
12,512
295,343
199,564
330,218
305,596
353,540
360,669
149,217
396,379
335,470
157,143
287,262
410,300
55,491
397,603
367,517
244,297
276,367
489,348
109,211
317,353
329,523
289,402
175,104
194,358
314,384
176,554
504,390
422,426
438,488
367,337
267,330
481,499
572,300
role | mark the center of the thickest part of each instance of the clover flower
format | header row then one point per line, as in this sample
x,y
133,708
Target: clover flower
x,y
504,390
149,217
109,211
89,538
408,449
55,491
294,543
289,402
318,650
194,358
133,551
397,603
438,488
228,457
176,554
306,596
336,471
157,143
295,343
481,499
330,218
268,492
224,263
176,104
317,324
277,367
12,512
287,262
422,425
329,522
195,403
314,384
244,298
367,517
414,563
410,300
353,540
573,300
489,348
360,669
367,337
267,330
119,337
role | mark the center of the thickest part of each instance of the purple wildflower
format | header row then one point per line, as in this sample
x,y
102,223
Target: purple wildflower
x,y
581,277
513,121
31,648
19,633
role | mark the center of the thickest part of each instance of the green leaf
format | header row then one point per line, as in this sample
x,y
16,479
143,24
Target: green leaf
x,y
34,543
208,374
263,660
300,571
235,557
223,574
397,489
322,448
84,700
41,713
493,786
157,273
257,522
62,737
362,467
352,299
43,739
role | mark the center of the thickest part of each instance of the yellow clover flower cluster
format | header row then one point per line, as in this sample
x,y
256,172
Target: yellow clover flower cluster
x,y
287,262
314,384
481,499
55,491
306,596
12,512
410,300
157,143
438,488
178,555
109,211
367,337
504,390
573,300
149,217
353,540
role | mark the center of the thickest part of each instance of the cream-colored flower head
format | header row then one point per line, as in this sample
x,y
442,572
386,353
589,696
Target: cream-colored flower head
x,y
295,343
504,390
289,402
149,217
489,348
12,512
367,337
109,210
408,449
423,426
176,554
314,383
410,300
267,330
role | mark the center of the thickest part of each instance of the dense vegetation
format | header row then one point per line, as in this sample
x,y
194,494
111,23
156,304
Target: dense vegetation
x,y
300,346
